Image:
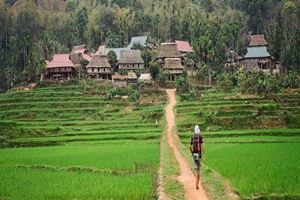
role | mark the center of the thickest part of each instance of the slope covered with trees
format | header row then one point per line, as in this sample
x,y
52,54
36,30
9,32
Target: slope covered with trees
x,y
33,30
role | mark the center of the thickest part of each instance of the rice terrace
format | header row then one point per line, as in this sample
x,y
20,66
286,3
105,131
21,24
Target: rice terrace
x,y
149,100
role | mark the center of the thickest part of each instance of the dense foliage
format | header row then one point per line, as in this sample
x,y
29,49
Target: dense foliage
x,y
29,35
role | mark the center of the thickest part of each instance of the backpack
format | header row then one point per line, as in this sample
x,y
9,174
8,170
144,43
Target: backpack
x,y
196,143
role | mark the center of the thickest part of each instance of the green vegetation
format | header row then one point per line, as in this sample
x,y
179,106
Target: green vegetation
x,y
30,31
253,169
251,141
79,143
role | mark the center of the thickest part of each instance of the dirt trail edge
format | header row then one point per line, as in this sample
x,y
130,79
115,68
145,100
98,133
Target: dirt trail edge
x,y
186,177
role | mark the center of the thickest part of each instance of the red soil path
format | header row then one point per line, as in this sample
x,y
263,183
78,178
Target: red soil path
x,y
186,177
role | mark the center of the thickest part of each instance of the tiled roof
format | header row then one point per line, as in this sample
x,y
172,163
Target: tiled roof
x,y
116,50
60,60
184,46
257,52
142,40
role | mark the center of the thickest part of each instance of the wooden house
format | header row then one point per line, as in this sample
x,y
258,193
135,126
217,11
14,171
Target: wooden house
x,y
140,40
146,78
132,78
173,67
131,60
78,53
99,67
119,80
258,57
60,68
184,47
170,59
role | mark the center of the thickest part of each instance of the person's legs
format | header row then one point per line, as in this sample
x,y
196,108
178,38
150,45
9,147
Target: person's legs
x,y
197,175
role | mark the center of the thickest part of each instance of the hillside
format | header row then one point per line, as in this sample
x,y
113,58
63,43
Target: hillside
x,y
212,27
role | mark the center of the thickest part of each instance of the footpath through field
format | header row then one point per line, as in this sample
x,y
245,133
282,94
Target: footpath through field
x,y
186,177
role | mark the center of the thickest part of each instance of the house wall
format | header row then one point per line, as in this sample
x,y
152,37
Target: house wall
x,y
130,66
119,83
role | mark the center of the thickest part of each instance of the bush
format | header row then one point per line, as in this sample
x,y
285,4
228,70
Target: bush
x,y
291,80
162,78
181,83
225,82
154,70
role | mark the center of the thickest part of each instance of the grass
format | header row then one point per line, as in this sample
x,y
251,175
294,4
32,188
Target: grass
x,y
105,156
20,183
108,149
257,168
251,142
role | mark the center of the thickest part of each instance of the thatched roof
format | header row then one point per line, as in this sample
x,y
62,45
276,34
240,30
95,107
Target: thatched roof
x,y
130,57
257,40
99,61
119,77
169,50
78,48
145,77
132,75
173,63
78,52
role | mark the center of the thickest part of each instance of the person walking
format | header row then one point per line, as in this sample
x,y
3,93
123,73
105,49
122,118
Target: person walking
x,y
197,149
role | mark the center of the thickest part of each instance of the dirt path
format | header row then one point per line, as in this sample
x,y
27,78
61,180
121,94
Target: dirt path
x,y
186,177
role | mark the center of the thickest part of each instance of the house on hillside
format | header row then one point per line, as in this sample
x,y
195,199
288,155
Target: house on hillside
x,y
60,68
141,40
173,67
184,47
99,68
131,60
258,57
119,80
170,59
146,78
132,78
78,53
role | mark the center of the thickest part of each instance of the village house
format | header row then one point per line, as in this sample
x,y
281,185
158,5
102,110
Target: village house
x,y
184,47
140,40
170,59
258,57
131,60
173,67
60,68
78,53
99,67
146,78
119,80
132,78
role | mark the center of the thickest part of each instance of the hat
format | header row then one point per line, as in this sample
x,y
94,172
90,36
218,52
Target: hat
x,y
197,129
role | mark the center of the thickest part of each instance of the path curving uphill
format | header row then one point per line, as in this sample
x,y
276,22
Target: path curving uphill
x,y
186,177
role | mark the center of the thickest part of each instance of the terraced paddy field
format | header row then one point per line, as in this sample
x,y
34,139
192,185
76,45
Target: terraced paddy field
x,y
73,142
253,142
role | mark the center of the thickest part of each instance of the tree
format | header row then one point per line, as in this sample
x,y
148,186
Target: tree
x,y
147,56
174,28
154,70
113,40
82,21
112,58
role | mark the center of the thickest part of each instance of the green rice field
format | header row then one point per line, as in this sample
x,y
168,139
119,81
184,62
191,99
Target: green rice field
x,y
253,142
73,142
